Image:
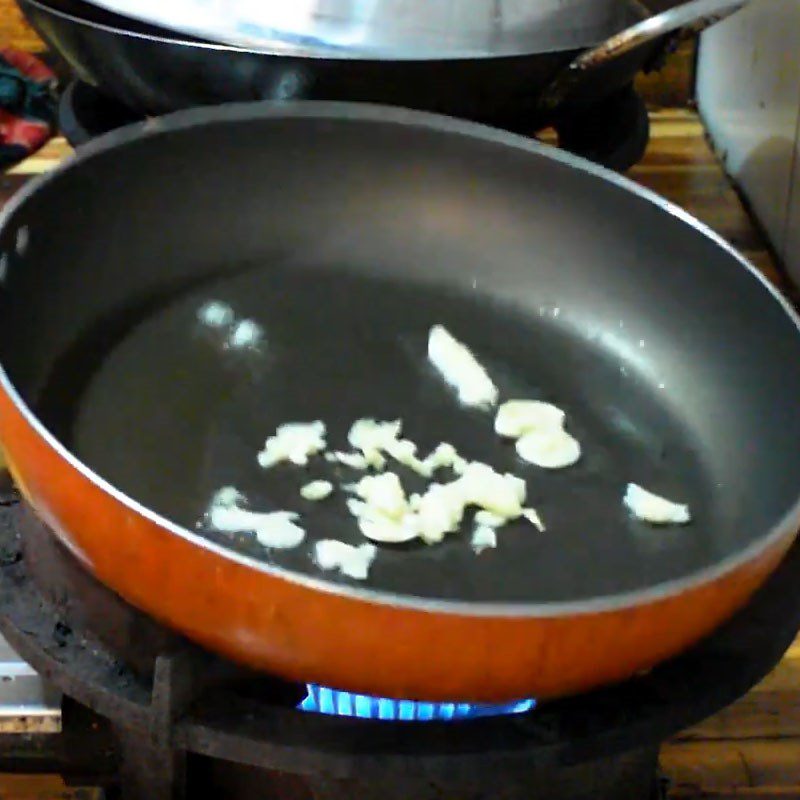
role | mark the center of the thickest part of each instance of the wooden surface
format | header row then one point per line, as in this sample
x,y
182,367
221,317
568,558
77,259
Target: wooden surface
x,y
44,787
15,31
672,86
751,749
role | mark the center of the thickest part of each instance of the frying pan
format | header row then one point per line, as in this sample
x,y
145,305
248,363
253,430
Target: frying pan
x,y
153,70
346,231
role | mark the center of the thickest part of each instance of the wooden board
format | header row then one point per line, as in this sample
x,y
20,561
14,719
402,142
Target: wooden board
x,y
770,711
44,787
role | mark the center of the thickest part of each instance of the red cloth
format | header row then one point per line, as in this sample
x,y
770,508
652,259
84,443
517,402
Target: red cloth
x,y
30,134
27,104
28,64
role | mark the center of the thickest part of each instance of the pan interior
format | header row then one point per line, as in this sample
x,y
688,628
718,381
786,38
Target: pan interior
x,y
170,415
345,233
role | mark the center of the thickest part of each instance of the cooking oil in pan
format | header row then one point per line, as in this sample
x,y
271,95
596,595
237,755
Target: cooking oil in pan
x,y
174,408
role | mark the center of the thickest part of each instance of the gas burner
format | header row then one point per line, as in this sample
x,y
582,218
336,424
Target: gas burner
x,y
613,132
322,700
151,715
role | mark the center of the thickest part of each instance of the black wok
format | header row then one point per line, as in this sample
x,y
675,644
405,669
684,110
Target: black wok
x,y
154,71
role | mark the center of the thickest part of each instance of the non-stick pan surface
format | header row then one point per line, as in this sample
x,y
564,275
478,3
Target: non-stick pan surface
x,y
340,346
345,233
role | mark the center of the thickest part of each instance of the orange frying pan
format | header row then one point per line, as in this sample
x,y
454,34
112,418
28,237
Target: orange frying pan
x,y
345,232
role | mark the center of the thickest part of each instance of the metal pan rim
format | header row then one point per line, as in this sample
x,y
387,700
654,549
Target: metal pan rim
x,y
782,530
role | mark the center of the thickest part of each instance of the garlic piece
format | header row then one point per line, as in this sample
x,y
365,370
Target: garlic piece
x,y
245,334
486,519
215,314
538,428
483,538
356,507
316,490
367,433
515,418
272,529
294,442
227,496
380,528
352,460
372,437
653,508
444,455
383,493
354,562
439,511
383,513
460,369
503,495
550,449
404,452
278,529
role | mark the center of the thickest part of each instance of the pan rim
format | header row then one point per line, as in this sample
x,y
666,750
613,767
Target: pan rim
x,y
785,526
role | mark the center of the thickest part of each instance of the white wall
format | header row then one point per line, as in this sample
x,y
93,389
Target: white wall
x,y
749,96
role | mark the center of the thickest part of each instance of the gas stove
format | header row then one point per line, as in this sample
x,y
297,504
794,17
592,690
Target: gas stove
x,y
112,698
613,132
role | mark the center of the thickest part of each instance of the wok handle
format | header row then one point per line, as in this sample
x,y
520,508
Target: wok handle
x,y
682,21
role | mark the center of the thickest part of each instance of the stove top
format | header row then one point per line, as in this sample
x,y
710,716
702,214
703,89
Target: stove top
x,y
613,133
152,715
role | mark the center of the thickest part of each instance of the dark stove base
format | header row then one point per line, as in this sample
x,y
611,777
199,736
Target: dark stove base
x,y
632,776
169,720
95,753
613,133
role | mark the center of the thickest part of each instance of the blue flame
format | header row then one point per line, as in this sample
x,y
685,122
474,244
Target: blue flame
x,y
322,700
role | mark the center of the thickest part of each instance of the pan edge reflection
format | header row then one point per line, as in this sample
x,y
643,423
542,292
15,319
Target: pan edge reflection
x,y
333,702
